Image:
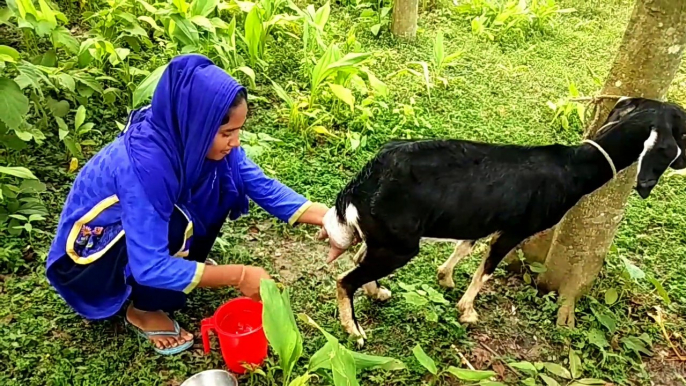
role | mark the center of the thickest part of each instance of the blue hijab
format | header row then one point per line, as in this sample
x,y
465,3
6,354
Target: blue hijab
x,y
167,143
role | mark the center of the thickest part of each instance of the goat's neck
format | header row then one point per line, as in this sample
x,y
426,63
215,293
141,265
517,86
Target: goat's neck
x,y
624,148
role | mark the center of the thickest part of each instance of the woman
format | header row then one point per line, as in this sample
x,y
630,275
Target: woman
x,y
144,212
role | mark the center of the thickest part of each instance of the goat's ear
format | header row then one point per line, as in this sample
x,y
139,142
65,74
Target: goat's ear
x,y
659,152
623,107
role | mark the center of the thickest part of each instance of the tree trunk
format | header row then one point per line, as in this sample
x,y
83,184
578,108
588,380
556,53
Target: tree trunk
x,y
647,60
404,23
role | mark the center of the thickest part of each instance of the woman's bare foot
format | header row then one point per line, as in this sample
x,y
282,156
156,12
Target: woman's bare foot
x,y
157,321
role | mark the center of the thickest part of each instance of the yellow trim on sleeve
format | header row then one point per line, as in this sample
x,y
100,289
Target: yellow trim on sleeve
x,y
199,269
85,219
298,213
183,252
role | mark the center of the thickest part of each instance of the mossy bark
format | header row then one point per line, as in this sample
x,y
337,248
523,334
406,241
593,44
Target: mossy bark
x,y
645,64
404,22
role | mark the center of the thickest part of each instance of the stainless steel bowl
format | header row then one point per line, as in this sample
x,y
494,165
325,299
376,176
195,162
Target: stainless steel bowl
x,y
211,378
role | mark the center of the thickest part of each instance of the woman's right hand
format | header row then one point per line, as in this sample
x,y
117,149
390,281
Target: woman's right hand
x,y
249,284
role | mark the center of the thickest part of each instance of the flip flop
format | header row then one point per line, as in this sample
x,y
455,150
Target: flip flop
x,y
209,261
162,351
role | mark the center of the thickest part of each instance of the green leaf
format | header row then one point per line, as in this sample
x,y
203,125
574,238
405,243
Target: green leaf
x,y
424,359
185,32
62,38
611,296
529,382
558,370
249,72
574,364
344,94
253,34
439,54
13,104
279,325
527,278
203,22
80,117
471,375
203,7
320,360
548,381
17,171
73,147
302,380
85,128
151,22
32,186
636,345
147,6
525,366
63,128
537,267
597,338
415,299
606,319
587,382
58,108
434,295
341,359
282,94
634,272
365,361
146,88
375,29
89,81
660,289
66,81
8,54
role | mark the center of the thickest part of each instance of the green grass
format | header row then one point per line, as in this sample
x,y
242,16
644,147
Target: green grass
x,y
497,93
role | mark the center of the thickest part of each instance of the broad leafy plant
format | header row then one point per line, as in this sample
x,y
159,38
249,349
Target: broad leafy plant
x,y
285,339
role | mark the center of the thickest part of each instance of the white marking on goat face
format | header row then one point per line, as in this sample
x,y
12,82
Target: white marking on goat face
x,y
647,146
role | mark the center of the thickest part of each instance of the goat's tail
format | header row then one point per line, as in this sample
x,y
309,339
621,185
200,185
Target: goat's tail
x,y
342,229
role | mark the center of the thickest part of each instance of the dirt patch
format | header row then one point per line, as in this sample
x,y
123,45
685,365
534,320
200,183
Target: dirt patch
x,y
666,369
295,256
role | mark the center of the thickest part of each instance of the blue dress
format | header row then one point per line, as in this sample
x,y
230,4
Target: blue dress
x,y
144,212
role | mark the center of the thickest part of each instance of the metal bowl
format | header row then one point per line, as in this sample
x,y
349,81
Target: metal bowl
x,y
211,378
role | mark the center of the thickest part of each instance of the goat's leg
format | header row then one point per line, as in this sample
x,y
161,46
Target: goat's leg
x,y
371,289
374,291
378,263
500,247
445,271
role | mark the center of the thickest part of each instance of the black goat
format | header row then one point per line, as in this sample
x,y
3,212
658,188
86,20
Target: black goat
x,y
465,191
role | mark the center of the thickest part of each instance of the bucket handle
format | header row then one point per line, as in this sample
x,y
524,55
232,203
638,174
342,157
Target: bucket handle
x,y
206,326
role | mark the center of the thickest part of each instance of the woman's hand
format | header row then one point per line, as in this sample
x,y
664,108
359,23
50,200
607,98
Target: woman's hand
x,y
246,278
250,282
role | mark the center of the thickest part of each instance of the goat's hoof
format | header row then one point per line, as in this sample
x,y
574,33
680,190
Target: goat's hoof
x,y
383,294
469,316
445,280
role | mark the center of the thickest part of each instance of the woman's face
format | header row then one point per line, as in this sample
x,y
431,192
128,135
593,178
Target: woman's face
x,y
228,135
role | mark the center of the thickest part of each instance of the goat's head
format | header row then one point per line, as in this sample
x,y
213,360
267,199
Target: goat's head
x,y
666,143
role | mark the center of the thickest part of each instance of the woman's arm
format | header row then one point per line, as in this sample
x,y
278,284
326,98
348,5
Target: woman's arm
x,y
149,259
313,215
278,199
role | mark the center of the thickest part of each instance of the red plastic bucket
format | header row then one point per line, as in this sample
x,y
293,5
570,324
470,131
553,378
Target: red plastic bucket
x,y
238,326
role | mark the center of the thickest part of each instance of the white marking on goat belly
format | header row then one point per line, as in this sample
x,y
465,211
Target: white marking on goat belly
x,y
647,146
